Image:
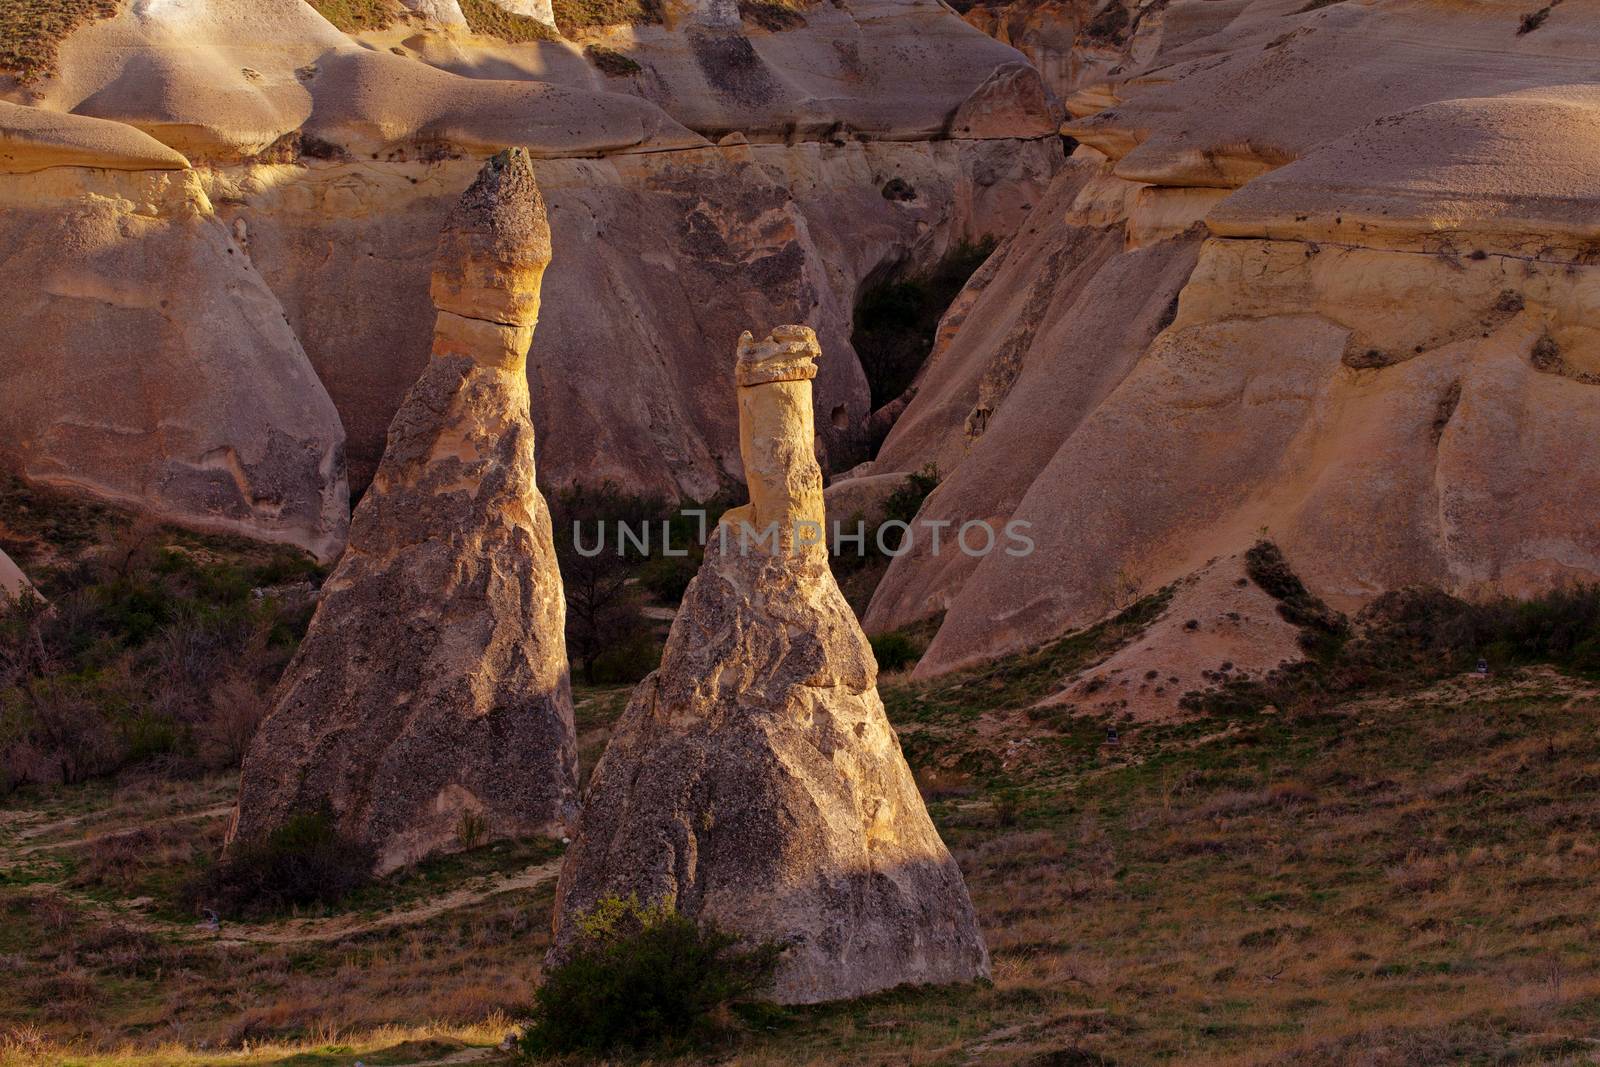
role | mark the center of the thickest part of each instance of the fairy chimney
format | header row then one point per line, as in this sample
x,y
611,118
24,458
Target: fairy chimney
x,y
429,705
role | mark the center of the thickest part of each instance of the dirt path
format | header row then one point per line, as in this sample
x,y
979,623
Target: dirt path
x,y
332,927
217,812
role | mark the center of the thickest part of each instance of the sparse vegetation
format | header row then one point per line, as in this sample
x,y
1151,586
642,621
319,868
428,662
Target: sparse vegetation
x,y
1534,19
576,15
357,16
31,32
895,651
491,20
610,62
610,575
158,648
897,319
645,978
859,568
1322,630
1408,638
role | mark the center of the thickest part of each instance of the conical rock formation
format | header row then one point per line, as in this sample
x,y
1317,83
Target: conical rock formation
x,y
431,692
754,778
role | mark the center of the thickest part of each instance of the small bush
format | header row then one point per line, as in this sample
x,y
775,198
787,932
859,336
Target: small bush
x,y
305,861
894,651
1322,629
645,978
472,829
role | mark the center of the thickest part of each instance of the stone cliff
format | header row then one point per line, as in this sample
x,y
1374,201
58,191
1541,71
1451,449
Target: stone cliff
x,y
431,690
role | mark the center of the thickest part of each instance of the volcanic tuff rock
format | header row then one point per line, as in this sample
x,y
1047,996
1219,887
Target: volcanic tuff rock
x,y
1379,352
754,778
145,361
332,161
432,685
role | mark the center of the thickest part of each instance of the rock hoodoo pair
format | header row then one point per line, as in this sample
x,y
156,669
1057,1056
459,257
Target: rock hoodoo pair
x,y
754,777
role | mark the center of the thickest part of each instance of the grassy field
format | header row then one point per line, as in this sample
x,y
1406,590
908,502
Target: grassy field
x,y
1403,879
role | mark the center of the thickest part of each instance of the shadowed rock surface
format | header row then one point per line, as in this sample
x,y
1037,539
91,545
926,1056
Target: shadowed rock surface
x,y
433,681
754,778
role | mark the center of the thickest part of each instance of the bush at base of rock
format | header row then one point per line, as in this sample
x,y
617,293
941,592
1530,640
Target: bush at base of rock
x,y
644,978
305,861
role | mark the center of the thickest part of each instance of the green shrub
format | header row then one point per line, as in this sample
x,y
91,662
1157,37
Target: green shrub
x,y
1411,637
610,62
305,861
1322,630
894,651
645,979
149,653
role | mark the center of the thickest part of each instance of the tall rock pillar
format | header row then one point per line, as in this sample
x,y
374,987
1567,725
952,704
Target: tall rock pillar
x,y
431,692
754,778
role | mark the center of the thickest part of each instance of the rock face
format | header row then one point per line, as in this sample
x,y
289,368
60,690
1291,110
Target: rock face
x,y
332,163
754,778
432,685
1301,290
145,362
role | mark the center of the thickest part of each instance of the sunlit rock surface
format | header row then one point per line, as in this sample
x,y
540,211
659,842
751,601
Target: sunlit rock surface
x,y
431,690
754,778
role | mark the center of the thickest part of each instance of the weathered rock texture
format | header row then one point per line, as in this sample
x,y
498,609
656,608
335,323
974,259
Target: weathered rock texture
x,y
1380,219
432,685
333,161
144,361
754,778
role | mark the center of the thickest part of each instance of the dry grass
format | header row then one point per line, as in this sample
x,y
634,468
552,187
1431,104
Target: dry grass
x,y
491,20
31,32
1399,880
575,15
356,16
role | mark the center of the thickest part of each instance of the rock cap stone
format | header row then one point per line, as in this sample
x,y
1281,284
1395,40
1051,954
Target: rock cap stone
x,y
495,246
787,354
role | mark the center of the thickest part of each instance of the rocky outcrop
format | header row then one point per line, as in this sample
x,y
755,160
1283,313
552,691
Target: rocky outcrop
x,y
431,689
1064,312
1376,337
145,362
32,139
754,778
